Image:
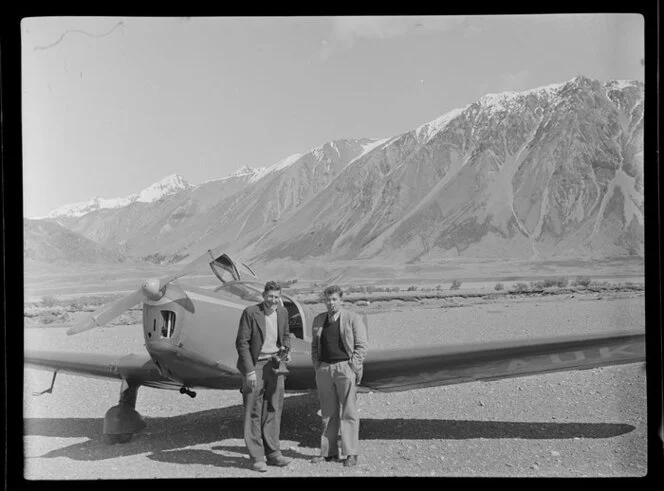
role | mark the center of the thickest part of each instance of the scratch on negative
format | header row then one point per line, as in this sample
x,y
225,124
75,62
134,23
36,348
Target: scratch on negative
x,y
121,23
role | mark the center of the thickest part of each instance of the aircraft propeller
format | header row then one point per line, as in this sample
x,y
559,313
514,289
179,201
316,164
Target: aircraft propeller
x,y
152,289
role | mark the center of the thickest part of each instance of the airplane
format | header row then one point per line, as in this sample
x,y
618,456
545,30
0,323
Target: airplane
x,y
190,334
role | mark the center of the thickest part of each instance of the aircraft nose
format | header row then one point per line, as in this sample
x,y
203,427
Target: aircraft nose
x,y
151,289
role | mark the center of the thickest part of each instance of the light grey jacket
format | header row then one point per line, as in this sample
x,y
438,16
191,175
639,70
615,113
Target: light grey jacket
x,y
353,334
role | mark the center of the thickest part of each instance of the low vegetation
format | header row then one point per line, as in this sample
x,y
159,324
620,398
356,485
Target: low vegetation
x,y
582,281
53,310
549,282
48,301
158,258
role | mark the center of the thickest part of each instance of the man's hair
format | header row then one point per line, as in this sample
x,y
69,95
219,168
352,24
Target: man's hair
x,y
271,285
333,289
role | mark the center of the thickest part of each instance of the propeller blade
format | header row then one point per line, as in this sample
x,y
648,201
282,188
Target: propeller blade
x,y
108,312
203,259
150,289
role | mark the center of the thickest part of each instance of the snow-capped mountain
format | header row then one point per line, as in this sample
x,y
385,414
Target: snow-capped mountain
x,y
552,171
169,185
232,210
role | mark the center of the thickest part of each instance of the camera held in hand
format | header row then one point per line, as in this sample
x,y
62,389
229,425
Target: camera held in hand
x,y
279,361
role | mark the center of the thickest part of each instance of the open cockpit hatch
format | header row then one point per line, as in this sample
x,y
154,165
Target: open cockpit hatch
x,y
224,265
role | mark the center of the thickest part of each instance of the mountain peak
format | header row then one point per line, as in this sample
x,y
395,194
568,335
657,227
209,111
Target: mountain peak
x,y
277,166
170,184
175,179
428,130
243,171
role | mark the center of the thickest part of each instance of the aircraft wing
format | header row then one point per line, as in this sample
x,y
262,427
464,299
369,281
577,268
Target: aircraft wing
x,y
139,368
393,370
405,369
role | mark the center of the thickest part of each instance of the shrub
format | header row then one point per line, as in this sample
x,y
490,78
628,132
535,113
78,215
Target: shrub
x,y
456,284
49,301
499,286
48,319
521,287
439,287
583,281
412,288
549,282
155,258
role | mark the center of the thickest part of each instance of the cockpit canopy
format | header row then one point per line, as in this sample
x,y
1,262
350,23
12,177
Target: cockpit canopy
x,y
252,291
226,270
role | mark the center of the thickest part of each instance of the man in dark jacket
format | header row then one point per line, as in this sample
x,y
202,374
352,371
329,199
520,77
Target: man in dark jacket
x,y
263,331
338,348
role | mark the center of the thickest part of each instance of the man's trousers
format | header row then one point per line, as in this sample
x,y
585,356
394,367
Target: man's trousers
x,y
262,412
338,404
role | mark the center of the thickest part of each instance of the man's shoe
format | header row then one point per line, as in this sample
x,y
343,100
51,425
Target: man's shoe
x,y
279,461
350,461
318,459
259,466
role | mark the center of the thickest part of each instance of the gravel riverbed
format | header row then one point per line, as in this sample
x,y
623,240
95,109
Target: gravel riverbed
x,y
569,424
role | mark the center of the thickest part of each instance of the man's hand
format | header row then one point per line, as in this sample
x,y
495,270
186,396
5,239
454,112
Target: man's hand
x,y
252,381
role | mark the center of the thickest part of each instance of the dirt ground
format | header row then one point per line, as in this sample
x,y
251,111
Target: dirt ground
x,y
569,424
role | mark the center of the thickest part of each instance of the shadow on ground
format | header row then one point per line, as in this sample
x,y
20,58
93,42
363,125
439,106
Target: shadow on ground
x,y
165,439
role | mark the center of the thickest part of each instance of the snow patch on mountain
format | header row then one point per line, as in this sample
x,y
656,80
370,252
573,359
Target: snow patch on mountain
x,y
505,101
620,84
241,172
81,208
368,147
169,185
261,172
425,132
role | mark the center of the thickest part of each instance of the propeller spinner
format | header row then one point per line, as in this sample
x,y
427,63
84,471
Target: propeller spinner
x,y
152,289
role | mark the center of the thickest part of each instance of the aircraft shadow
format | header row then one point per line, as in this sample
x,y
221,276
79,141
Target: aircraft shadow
x,y
166,438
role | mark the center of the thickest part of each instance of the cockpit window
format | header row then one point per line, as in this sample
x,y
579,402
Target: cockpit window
x,y
168,326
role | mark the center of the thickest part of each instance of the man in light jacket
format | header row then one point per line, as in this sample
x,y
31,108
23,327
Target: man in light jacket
x,y
338,348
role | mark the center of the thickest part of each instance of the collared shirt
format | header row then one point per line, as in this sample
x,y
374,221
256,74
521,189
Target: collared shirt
x,y
271,334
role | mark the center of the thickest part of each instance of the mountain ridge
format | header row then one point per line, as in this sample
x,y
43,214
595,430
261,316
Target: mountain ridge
x,y
554,170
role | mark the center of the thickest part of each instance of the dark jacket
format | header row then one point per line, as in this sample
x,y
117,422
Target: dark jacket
x,y
251,334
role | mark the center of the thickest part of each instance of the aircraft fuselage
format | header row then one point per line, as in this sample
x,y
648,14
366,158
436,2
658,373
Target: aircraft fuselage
x,y
190,333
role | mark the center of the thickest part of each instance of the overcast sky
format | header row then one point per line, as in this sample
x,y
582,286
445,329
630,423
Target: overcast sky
x,y
112,105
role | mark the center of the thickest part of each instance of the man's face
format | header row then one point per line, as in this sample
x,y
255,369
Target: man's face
x,y
271,299
333,303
